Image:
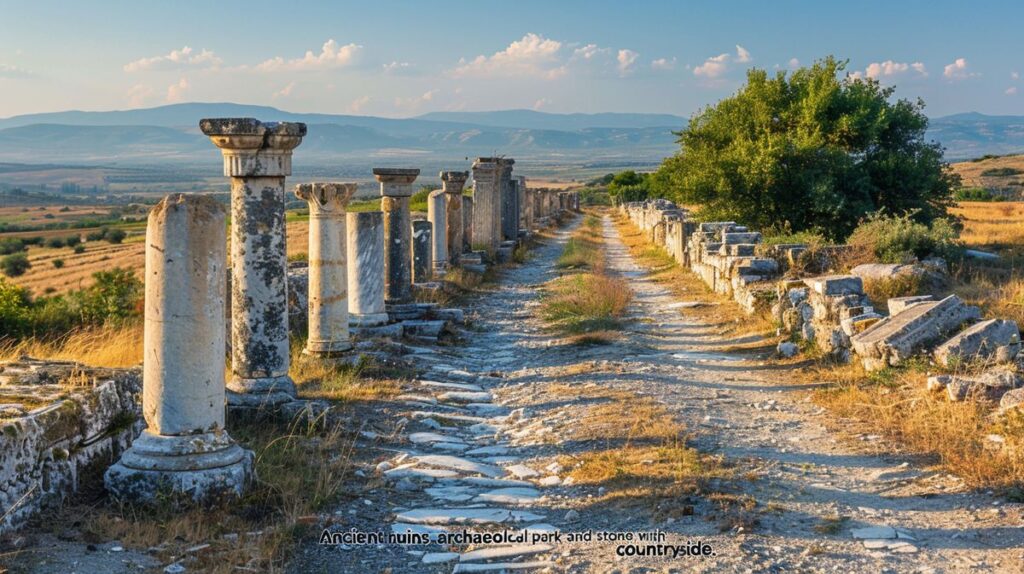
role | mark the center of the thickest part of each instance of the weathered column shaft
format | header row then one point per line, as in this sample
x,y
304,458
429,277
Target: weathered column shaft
x,y
365,244
328,278
184,447
437,215
452,184
395,190
467,223
509,201
422,266
257,158
486,204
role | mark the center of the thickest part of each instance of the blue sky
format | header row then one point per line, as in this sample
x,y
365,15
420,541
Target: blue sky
x,y
402,59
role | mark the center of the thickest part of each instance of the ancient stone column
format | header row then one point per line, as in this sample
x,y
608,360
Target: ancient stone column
x,y
437,215
486,204
365,244
395,190
184,449
509,200
452,183
257,158
328,280
422,243
525,204
467,223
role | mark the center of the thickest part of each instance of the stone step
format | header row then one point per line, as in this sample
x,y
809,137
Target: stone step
x,y
462,464
515,496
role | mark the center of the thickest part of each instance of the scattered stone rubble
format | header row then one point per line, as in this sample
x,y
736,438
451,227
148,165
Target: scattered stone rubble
x,y
830,311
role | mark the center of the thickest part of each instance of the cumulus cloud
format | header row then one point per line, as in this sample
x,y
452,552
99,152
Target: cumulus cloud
x,y
358,104
139,94
958,70
13,72
742,54
176,91
541,103
793,63
332,55
414,103
175,60
1014,76
533,55
285,91
663,64
626,59
713,67
1011,91
889,68
588,52
397,68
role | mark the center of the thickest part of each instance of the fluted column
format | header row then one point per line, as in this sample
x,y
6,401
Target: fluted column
x,y
395,190
328,273
257,158
486,204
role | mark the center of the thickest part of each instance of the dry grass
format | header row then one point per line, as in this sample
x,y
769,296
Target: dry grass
x,y
896,402
720,312
992,225
319,379
257,533
108,346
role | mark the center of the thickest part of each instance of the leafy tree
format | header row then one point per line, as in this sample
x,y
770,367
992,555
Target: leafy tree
x,y
809,151
114,295
629,186
115,235
15,264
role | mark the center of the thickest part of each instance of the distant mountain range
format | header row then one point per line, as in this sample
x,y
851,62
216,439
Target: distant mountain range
x,y
170,133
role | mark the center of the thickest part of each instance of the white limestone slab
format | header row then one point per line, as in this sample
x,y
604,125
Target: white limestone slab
x,y
498,552
494,482
521,471
452,386
458,463
448,416
451,493
501,566
429,437
466,396
439,557
488,451
426,473
550,481
405,527
455,516
450,446
515,495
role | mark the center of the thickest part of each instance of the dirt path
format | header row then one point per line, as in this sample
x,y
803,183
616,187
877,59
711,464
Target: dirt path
x,y
485,437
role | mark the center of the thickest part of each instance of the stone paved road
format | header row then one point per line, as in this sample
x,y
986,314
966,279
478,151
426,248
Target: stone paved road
x,y
472,455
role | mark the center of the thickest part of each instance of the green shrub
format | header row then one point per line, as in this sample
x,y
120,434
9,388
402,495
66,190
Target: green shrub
x,y
116,294
37,240
79,248
974,194
72,240
14,309
15,264
11,245
1001,172
55,242
900,239
115,235
58,263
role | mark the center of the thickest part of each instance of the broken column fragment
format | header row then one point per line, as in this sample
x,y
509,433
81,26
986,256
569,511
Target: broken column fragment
x,y
365,245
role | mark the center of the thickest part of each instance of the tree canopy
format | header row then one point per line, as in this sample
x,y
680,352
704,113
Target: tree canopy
x,y
809,150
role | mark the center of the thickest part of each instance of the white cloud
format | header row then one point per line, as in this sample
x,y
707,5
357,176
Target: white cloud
x,y
889,68
588,52
1014,76
175,60
532,55
331,55
358,104
176,91
285,91
663,64
793,63
742,54
397,68
1011,91
713,67
139,94
14,72
920,69
415,102
957,70
541,103
627,59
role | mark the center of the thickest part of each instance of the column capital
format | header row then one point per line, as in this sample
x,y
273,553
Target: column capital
x,y
395,182
326,198
252,148
453,181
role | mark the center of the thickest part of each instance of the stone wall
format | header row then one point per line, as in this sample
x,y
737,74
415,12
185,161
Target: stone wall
x,y
89,417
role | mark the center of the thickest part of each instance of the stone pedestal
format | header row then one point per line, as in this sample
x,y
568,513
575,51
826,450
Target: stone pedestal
x,y
486,204
422,267
467,224
509,200
184,451
365,246
452,183
437,215
328,278
395,190
257,158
